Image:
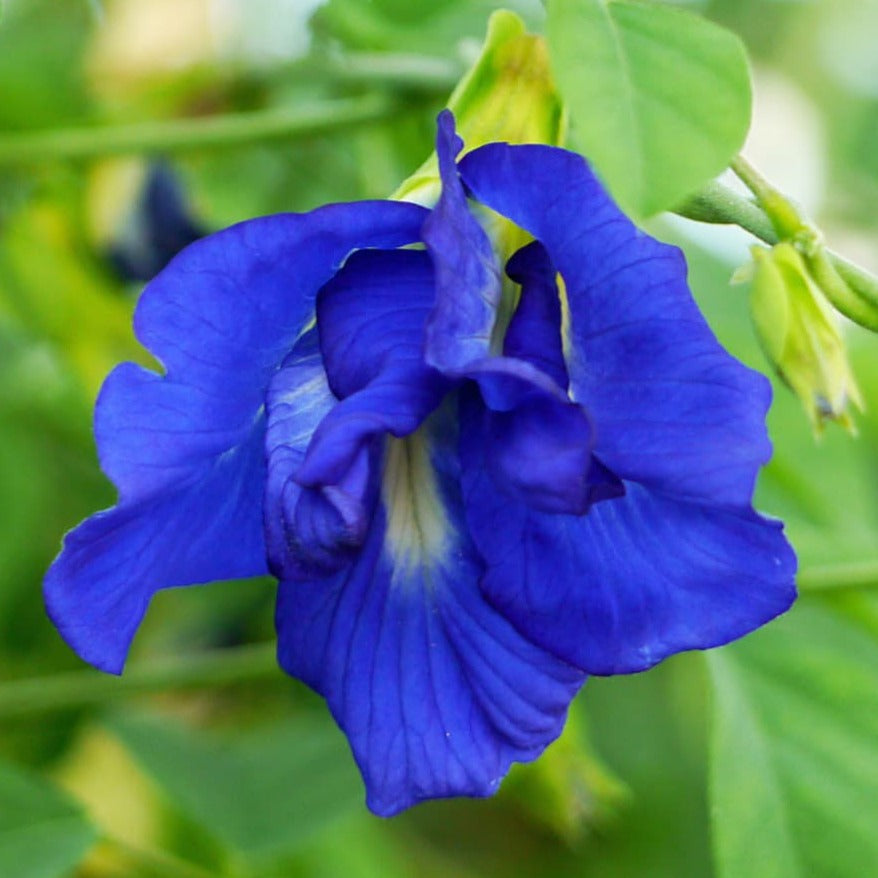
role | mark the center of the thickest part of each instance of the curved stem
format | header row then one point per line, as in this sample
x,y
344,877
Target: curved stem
x,y
400,71
863,574
232,129
718,204
89,687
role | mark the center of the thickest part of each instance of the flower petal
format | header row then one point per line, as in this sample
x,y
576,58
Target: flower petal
x,y
304,536
99,587
371,316
221,317
437,693
538,442
185,450
321,490
371,326
534,333
540,454
467,275
673,410
638,578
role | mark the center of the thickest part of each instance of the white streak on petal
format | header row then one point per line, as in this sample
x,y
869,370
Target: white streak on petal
x,y
419,533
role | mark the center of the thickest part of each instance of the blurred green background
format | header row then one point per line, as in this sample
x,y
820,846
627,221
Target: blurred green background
x,y
759,760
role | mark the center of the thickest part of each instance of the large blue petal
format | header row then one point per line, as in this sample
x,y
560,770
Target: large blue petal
x,y
467,274
635,580
185,450
436,691
672,409
98,589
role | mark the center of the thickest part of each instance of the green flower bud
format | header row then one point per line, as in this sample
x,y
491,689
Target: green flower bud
x,y
507,95
797,330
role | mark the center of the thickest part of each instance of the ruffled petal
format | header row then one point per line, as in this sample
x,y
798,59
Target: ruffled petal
x,y
185,449
370,320
437,692
538,443
467,275
313,534
540,454
375,357
534,333
98,589
221,318
635,580
673,410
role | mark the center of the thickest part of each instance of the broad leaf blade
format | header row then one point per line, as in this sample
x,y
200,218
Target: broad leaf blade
x,y
43,833
263,794
794,761
659,98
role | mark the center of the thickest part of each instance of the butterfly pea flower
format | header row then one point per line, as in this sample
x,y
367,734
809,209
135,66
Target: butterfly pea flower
x,y
466,518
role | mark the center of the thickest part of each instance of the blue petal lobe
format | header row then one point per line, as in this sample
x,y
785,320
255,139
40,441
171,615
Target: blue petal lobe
x,y
371,317
220,318
534,333
636,579
540,454
99,587
538,442
673,410
371,325
467,276
185,449
437,692
370,321
307,531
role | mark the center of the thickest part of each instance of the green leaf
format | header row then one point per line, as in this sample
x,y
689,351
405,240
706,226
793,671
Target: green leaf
x,y
43,833
659,98
794,766
262,794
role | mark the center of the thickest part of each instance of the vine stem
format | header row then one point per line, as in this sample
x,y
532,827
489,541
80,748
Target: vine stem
x,y
718,204
77,689
832,577
175,135
399,71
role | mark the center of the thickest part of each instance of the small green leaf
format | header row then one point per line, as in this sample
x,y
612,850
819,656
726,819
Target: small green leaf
x,y
43,833
659,98
263,794
794,766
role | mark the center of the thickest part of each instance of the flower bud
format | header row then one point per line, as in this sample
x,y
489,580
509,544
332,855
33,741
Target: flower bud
x,y
507,95
797,330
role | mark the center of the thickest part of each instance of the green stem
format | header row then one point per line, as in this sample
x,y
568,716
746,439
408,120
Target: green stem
x,y
232,129
863,574
398,71
718,204
752,179
88,687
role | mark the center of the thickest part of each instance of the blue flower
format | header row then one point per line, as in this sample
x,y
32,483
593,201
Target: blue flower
x,y
467,513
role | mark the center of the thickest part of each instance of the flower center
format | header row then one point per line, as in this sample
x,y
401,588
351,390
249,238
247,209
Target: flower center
x,y
418,530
